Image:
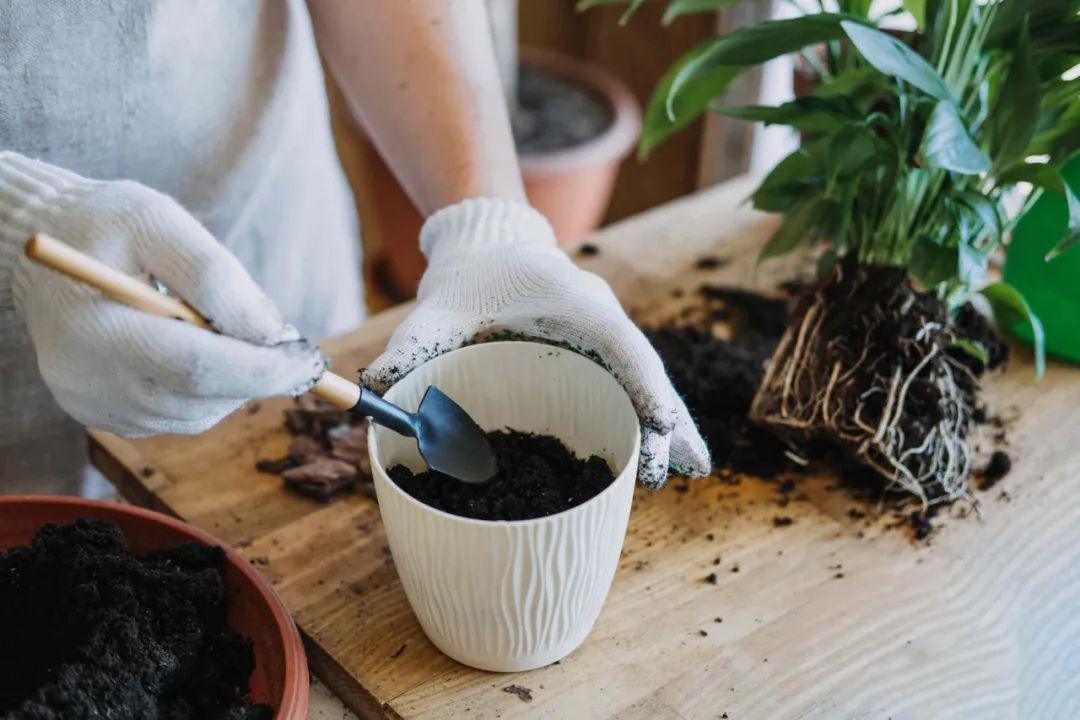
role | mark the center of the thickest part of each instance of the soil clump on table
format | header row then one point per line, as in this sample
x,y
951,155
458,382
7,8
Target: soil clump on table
x,y
327,455
717,373
538,476
91,631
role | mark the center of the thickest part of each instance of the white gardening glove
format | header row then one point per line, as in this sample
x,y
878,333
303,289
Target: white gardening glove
x,y
494,268
121,369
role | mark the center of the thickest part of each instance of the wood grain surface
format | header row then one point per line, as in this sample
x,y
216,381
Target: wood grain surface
x,y
830,617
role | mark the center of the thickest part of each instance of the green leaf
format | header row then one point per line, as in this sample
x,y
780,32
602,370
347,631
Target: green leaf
x,y
1007,21
917,8
931,263
851,150
1010,309
1072,234
893,57
793,230
848,83
982,208
793,178
947,145
1043,175
1016,112
630,10
809,113
974,348
632,7
693,99
754,45
971,264
678,8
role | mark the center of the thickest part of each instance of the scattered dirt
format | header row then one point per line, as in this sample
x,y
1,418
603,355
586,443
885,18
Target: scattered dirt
x,y
920,521
555,113
999,466
328,454
717,373
537,476
92,631
710,262
524,694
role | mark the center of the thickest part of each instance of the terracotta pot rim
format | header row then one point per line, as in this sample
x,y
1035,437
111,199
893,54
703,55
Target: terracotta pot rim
x,y
614,143
295,689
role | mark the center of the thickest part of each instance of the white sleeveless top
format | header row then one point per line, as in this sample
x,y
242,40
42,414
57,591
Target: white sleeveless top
x,y
218,103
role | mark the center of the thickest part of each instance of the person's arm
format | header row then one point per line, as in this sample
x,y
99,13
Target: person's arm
x,y
420,75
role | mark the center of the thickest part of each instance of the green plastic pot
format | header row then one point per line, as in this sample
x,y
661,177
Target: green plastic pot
x,y
1052,289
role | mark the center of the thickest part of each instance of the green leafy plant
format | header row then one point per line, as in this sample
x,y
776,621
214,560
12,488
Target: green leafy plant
x,y
910,141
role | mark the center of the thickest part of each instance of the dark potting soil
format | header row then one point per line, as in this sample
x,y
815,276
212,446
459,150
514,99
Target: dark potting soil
x,y
718,372
538,476
970,324
555,113
91,631
718,377
999,465
875,321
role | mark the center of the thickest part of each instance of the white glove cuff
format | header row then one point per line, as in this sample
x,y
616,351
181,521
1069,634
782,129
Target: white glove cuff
x,y
479,222
28,189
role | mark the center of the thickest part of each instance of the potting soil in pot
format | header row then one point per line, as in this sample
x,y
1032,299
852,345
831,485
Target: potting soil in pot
x,y
91,631
538,476
555,113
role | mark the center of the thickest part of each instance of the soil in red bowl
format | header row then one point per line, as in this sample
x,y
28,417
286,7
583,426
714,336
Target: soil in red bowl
x,y
91,630
538,476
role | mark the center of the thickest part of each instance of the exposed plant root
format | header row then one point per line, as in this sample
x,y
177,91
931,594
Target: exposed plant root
x,y
864,365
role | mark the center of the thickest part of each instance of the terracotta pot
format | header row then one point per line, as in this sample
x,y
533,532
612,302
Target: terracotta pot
x,y
512,595
280,678
572,187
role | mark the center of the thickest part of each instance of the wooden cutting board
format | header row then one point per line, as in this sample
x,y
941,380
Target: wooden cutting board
x,y
829,617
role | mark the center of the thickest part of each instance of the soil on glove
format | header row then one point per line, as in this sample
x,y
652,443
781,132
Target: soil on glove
x,y
555,113
717,374
538,476
91,631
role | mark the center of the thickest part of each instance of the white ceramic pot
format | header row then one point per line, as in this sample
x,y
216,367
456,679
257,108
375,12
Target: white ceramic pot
x,y
508,596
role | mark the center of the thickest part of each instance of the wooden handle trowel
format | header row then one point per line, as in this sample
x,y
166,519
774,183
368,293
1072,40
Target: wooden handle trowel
x,y
449,440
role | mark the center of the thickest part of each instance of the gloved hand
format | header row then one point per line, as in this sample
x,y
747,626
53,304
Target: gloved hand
x,y
493,268
117,368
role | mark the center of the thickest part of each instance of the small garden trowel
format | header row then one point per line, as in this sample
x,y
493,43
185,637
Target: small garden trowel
x,y
448,439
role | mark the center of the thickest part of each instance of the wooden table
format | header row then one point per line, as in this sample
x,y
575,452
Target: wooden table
x,y
831,617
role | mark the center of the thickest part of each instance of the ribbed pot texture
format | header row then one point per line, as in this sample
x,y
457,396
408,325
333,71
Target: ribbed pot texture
x,y
510,596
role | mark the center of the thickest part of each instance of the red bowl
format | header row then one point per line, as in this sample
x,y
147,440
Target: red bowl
x,y
280,678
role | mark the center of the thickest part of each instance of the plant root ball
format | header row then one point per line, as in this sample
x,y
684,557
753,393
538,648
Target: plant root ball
x,y
868,365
